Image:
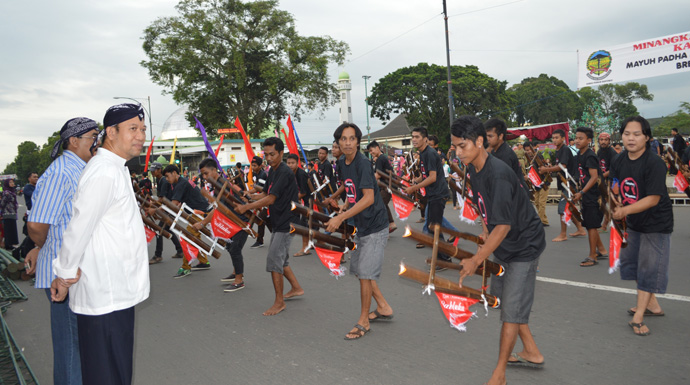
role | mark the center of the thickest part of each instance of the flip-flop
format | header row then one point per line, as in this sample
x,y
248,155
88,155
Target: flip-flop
x,y
524,362
639,326
359,333
420,246
648,313
589,262
301,254
602,256
380,317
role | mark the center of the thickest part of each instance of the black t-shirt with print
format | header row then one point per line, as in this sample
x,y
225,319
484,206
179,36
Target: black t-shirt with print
x,y
501,201
640,178
183,191
282,184
358,176
431,161
383,164
326,171
508,156
585,162
565,157
260,180
605,156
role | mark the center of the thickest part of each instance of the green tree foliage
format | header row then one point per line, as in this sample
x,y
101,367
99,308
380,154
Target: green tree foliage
x,y
617,99
544,99
679,119
31,158
421,92
227,58
594,116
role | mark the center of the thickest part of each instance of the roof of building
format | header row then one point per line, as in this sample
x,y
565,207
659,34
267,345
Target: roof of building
x,y
344,76
396,127
177,126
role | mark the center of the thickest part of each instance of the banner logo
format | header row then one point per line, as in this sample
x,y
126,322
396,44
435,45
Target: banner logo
x,y
599,65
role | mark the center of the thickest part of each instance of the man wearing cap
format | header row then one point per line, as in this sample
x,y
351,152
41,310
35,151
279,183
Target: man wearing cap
x,y
50,214
163,189
104,258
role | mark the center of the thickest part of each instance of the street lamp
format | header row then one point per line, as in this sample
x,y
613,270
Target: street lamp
x,y
366,101
148,112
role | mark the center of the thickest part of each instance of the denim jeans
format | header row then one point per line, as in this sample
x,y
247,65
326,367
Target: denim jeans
x,y
66,361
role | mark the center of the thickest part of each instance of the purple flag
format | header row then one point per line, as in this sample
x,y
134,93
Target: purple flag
x,y
211,153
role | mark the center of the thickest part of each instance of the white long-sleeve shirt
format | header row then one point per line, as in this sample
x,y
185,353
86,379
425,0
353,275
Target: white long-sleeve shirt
x,y
106,240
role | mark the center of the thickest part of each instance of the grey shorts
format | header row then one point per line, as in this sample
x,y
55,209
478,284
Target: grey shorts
x,y
515,289
561,206
366,260
645,260
278,252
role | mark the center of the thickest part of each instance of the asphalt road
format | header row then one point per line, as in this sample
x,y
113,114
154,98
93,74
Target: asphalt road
x,y
190,332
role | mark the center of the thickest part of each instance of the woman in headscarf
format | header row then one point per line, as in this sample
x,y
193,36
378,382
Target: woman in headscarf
x,y
8,207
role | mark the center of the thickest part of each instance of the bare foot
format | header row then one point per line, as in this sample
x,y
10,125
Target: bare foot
x,y
560,238
579,233
275,309
497,380
293,293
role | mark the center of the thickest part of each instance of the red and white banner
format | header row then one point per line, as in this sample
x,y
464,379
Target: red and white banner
x,y
331,259
567,217
680,183
403,207
190,251
614,250
223,227
626,62
534,177
149,234
467,213
456,309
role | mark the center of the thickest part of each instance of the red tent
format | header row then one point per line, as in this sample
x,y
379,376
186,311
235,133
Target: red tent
x,y
541,132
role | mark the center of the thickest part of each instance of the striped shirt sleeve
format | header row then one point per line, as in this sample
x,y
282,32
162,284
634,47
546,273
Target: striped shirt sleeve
x,y
49,198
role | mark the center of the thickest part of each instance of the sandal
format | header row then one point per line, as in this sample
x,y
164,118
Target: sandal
x,y
359,333
380,317
588,262
420,246
602,256
639,326
648,313
521,361
301,254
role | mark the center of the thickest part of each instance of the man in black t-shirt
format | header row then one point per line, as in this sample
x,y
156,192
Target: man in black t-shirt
x,y
605,154
184,192
209,171
281,190
563,157
679,144
365,205
325,170
588,177
302,179
432,180
381,163
512,232
259,178
163,189
640,178
496,130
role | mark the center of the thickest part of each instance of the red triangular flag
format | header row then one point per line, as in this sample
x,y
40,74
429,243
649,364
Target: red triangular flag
x,y
456,309
403,207
331,259
247,144
149,234
615,243
190,251
680,183
567,215
223,227
534,177
468,214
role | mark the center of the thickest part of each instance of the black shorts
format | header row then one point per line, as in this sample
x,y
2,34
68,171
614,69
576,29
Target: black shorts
x,y
436,207
591,217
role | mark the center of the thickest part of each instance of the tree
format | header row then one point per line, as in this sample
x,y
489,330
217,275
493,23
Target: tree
x,y
421,92
227,58
617,99
544,99
593,116
679,119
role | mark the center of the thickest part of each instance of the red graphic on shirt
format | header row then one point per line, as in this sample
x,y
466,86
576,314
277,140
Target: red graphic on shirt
x,y
582,175
351,191
482,207
602,165
629,191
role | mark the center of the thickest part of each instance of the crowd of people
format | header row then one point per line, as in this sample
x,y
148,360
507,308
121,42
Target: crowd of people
x,y
91,256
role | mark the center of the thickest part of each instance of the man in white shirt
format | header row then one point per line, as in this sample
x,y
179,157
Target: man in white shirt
x,y
104,258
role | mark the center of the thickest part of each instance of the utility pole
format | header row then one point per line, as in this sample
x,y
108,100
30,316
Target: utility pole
x,y
366,101
451,110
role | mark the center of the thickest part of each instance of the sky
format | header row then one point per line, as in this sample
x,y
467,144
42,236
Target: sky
x,y
69,58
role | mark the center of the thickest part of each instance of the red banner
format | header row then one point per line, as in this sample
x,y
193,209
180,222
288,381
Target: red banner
x,y
680,183
456,309
190,251
468,215
403,207
220,144
614,250
148,155
331,259
534,177
247,143
223,227
567,215
149,234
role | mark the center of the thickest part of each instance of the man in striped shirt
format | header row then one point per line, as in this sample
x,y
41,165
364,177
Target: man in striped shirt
x,y
50,214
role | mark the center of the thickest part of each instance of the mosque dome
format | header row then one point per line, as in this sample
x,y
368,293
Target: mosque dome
x,y
177,126
343,76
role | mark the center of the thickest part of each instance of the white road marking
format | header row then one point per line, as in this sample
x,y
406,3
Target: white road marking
x,y
674,297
